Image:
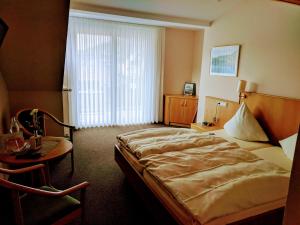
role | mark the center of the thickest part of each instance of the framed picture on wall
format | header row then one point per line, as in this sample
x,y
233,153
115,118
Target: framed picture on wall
x,y
189,88
224,61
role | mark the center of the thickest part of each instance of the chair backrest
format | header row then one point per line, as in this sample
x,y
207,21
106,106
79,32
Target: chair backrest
x,y
26,121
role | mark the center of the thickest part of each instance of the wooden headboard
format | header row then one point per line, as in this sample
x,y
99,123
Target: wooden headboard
x,y
224,113
278,116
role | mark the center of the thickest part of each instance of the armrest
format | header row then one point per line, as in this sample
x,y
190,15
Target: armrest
x,y
58,121
23,170
22,188
26,170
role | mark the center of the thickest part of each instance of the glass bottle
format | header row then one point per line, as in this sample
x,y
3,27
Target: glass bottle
x,y
15,142
14,126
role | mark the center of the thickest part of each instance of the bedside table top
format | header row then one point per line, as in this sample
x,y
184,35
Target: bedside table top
x,y
199,127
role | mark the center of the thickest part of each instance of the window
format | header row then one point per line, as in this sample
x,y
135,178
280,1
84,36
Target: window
x,y
114,70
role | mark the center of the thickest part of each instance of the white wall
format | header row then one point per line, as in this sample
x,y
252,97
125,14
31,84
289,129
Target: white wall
x,y
178,59
183,50
269,35
197,57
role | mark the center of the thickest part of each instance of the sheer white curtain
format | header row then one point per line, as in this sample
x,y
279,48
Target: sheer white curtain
x,y
115,73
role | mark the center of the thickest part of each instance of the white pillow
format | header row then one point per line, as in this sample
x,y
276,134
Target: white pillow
x,y
289,145
244,126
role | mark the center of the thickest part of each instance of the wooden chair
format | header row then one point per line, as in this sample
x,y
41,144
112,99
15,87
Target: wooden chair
x,y
24,119
44,205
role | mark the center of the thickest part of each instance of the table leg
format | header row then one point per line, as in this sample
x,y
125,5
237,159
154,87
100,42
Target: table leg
x,y
47,173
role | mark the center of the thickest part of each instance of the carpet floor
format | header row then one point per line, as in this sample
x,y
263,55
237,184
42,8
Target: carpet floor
x,y
110,199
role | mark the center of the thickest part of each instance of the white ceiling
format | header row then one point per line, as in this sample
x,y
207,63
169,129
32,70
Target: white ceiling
x,y
195,9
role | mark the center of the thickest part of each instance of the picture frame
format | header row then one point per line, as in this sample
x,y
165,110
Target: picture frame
x,y
224,61
189,88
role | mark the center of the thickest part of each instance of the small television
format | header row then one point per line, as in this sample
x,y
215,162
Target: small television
x,y
3,30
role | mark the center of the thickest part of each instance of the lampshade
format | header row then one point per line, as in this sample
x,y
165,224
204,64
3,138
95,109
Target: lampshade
x,y
251,87
241,86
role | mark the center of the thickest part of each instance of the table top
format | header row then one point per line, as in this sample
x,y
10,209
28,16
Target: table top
x,y
62,147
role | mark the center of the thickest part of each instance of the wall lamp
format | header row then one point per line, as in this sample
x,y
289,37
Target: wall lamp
x,y
245,87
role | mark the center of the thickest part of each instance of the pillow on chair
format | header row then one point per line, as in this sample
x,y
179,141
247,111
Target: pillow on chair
x,y
244,126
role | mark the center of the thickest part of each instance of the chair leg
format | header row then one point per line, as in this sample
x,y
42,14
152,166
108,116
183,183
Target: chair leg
x,y
47,173
82,222
17,208
82,202
72,161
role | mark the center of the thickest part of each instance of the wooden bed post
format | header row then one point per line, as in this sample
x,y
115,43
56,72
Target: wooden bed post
x,y
292,209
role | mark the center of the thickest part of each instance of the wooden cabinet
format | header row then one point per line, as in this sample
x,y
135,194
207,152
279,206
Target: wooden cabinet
x,y
180,109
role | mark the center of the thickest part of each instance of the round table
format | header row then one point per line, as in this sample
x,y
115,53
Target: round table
x,y
62,148
52,148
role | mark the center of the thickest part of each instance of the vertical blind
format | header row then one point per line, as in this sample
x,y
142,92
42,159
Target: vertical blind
x,y
115,71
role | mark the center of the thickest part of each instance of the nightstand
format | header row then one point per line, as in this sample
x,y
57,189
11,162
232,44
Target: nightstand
x,y
199,127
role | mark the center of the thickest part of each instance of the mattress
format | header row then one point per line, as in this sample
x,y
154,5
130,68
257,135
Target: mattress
x,y
252,146
272,154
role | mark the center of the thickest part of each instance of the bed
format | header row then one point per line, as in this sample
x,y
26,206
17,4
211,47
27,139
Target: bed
x,y
167,197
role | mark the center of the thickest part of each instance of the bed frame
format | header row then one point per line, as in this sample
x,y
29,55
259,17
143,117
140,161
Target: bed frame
x,y
284,109
136,180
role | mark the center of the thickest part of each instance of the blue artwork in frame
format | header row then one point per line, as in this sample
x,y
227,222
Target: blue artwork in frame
x,y
224,61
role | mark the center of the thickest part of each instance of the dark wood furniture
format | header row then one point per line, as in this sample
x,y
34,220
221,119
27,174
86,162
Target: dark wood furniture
x,y
60,147
24,119
44,205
